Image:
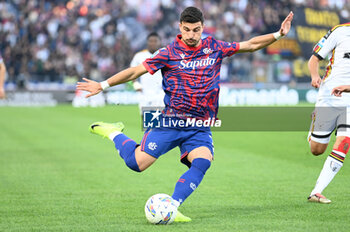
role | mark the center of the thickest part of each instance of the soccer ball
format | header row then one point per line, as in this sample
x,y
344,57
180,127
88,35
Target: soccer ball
x,y
160,209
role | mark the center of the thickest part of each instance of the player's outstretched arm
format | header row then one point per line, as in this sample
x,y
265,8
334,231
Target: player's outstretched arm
x,y
262,41
337,91
313,65
126,75
2,80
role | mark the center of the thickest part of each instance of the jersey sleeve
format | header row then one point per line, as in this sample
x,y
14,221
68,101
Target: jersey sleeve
x,y
1,60
158,60
326,44
228,49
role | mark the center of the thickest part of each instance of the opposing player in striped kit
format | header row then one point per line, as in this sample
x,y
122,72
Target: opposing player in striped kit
x,y
191,81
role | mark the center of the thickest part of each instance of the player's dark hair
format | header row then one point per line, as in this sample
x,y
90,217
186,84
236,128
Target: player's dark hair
x,y
191,15
153,34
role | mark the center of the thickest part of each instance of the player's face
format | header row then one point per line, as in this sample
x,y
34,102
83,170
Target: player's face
x,y
153,44
191,33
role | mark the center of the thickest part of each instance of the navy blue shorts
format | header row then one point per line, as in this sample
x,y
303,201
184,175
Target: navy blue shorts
x,y
158,141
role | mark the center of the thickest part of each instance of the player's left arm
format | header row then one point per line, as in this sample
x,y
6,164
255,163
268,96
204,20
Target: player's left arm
x,y
337,91
313,66
262,41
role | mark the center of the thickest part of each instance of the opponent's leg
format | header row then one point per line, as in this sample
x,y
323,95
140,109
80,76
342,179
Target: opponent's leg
x,y
128,149
331,167
200,159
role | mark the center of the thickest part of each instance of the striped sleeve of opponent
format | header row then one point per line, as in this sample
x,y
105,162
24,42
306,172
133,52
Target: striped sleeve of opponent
x,y
228,49
158,60
149,69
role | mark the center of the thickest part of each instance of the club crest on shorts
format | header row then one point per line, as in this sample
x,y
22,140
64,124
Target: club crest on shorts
x,y
152,146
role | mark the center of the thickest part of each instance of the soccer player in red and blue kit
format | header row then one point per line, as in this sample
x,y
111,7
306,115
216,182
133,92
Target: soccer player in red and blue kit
x,y
191,71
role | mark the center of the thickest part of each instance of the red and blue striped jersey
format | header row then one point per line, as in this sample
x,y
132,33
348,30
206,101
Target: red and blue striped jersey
x,y
191,76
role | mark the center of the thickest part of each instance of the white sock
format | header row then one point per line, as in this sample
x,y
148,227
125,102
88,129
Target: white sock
x,y
176,203
330,168
113,134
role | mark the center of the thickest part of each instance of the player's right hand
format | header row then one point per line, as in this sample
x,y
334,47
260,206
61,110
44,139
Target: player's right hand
x,y
286,24
91,86
316,82
337,91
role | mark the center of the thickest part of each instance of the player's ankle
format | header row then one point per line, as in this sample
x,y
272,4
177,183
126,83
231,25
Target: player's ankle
x,y
114,134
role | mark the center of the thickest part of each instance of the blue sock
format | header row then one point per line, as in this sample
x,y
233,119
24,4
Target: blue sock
x,y
190,180
126,148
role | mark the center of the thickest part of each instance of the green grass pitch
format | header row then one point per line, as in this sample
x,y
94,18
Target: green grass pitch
x,y
56,176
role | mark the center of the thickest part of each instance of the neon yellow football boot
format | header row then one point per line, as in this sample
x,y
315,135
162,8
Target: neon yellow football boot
x,y
181,218
105,129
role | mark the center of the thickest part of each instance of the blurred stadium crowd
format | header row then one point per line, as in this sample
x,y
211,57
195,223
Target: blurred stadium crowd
x,y
62,41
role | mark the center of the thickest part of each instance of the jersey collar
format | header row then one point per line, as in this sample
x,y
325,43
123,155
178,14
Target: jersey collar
x,y
183,45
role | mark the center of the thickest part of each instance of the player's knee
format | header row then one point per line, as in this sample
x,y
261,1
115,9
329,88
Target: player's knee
x,y
201,152
207,156
142,167
316,150
143,159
